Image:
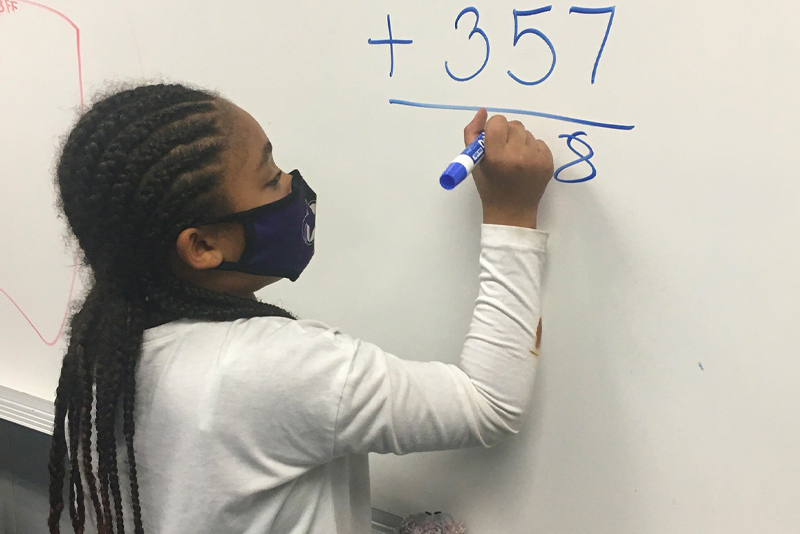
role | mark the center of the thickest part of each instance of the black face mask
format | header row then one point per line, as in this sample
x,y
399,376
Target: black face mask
x,y
279,236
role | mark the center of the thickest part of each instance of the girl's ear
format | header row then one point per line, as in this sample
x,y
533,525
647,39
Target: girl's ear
x,y
200,248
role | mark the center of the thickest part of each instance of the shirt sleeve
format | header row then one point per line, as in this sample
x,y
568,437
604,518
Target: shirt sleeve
x,y
399,406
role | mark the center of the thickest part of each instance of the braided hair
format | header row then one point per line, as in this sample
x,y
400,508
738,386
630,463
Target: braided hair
x,y
139,167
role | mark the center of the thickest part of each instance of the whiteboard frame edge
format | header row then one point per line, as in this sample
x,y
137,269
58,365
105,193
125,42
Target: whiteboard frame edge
x,y
385,522
26,410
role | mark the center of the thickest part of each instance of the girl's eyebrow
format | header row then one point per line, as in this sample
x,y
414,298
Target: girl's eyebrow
x,y
266,152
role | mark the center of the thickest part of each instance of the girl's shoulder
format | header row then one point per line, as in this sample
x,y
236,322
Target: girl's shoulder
x,y
251,332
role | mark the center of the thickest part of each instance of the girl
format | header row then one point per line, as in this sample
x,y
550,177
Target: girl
x,y
245,418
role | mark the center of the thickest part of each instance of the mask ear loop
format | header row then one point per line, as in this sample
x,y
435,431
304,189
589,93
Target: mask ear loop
x,y
247,252
241,216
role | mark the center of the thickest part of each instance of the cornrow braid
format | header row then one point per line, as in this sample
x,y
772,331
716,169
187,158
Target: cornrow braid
x,y
139,167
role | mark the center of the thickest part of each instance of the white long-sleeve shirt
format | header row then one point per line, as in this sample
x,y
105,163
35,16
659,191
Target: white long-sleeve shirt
x,y
264,424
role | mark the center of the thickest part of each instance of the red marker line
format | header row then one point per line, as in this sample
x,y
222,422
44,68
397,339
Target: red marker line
x,y
66,310
75,269
77,40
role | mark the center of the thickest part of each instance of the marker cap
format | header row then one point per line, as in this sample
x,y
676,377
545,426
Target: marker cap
x,y
453,175
464,163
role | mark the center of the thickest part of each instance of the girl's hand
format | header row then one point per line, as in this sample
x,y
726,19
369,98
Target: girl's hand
x,y
513,174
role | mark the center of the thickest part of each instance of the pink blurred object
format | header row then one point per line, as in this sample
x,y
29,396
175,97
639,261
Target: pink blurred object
x,y
431,523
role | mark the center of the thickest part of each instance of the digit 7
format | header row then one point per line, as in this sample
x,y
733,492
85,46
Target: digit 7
x,y
596,11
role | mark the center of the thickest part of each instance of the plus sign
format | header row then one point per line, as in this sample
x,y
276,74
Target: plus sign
x,y
391,42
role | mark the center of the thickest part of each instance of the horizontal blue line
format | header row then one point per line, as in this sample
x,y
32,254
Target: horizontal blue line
x,y
515,112
389,41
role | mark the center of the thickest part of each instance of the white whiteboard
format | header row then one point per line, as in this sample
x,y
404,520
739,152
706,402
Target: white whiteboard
x,y
668,395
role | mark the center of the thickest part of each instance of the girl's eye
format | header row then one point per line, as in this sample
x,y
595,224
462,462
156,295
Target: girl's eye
x,y
275,181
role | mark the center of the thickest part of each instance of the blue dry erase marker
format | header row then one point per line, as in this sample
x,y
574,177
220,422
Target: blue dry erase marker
x,y
457,171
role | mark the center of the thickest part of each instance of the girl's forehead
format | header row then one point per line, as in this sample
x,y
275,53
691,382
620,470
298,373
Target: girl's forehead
x,y
246,129
244,161
246,143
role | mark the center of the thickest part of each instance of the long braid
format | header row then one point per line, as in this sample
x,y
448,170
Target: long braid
x,y
139,167
58,447
104,413
76,510
87,401
136,317
109,450
66,423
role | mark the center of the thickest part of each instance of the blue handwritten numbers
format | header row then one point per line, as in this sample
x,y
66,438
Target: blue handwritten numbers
x,y
518,35
475,30
596,11
391,42
534,75
582,158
